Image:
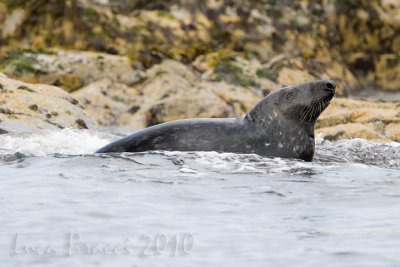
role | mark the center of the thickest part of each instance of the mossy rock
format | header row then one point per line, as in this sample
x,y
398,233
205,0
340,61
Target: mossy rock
x,y
21,63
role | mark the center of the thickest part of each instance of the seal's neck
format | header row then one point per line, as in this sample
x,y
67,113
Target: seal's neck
x,y
288,138
276,121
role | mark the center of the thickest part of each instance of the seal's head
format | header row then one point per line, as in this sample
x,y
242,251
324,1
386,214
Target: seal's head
x,y
305,102
286,118
301,103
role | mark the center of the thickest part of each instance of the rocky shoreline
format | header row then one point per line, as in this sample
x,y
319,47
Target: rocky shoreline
x,y
165,92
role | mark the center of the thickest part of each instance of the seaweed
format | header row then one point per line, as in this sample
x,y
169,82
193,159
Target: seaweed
x,y
227,70
270,74
23,63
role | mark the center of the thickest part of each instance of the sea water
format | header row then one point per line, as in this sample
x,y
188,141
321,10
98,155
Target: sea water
x,y
63,205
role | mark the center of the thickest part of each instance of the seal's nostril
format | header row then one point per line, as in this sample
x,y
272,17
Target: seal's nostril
x,y
331,85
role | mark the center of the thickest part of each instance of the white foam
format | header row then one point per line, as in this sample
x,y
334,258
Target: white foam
x,y
394,144
66,141
319,139
328,154
186,169
359,150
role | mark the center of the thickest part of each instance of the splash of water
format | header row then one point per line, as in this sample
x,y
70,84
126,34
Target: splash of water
x,y
66,141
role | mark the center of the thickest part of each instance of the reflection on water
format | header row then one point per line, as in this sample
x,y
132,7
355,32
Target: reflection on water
x,y
64,206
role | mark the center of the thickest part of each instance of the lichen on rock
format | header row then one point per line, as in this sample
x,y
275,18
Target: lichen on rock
x,y
31,107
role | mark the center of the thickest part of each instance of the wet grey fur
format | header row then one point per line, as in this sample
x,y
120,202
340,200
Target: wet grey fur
x,y
280,125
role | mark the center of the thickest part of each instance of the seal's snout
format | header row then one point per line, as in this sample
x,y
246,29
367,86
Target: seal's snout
x,y
330,86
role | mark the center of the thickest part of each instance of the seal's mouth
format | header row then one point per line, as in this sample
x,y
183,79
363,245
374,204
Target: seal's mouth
x,y
328,98
311,113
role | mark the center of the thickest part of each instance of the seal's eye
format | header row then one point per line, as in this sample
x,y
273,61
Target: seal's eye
x,y
289,96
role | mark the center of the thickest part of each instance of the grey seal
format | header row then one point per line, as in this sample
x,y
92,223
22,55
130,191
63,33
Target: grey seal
x,y
280,125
